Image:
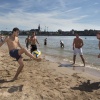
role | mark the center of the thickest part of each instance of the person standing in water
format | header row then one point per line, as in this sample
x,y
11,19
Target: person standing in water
x,y
16,50
98,37
61,44
77,48
45,41
33,41
27,41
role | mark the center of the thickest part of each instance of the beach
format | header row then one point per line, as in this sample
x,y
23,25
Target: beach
x,y
45,80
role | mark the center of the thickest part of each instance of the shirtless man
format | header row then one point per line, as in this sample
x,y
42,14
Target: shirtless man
x,y
98,37
33,41
77,47
27,41
13,45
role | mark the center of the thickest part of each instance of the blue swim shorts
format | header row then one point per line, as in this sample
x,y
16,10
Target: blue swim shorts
x,y
14,53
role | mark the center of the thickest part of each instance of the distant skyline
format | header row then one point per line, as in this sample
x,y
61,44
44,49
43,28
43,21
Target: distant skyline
x,y
50,14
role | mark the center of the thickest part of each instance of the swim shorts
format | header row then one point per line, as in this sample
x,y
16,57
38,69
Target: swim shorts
x,y
14,53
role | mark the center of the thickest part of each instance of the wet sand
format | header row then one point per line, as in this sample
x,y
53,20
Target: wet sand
x,y
45,80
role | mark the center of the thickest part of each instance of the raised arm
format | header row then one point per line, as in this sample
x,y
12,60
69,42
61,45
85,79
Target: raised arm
x,y
5,40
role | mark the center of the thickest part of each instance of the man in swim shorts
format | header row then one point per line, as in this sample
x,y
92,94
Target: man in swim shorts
x,y
77,48
14,51
33,41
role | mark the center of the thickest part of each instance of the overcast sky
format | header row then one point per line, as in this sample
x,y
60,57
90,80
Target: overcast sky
x,y
54,14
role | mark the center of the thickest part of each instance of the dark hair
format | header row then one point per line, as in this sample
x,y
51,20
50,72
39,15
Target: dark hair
x,y
15,29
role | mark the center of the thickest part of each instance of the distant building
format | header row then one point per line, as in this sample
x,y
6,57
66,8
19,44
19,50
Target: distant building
x,y
36,30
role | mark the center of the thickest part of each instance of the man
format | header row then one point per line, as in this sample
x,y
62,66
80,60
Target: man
x,y
27,41
45,41
13,45
33,41
77,47
98,37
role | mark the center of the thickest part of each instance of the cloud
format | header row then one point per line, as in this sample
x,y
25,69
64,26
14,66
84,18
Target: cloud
x,y
29,14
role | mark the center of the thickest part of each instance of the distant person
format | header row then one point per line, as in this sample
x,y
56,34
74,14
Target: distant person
x,y
1,38
98,37
33,41
27,41
77,47
45,41
61,44
16,50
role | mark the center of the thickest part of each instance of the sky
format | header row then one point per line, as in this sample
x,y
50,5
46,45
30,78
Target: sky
x,y
52,15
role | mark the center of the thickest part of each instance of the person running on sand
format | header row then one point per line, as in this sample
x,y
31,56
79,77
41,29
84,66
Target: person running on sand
x,y
15,50
77,47
98,37
27,41
33,41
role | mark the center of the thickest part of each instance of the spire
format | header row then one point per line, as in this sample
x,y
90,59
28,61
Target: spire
x,y
39,27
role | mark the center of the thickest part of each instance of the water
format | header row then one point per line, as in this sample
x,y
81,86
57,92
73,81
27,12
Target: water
x,y
90,49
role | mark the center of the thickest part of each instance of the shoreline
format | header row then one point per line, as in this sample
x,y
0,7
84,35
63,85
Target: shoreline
x,y
45,80
68,64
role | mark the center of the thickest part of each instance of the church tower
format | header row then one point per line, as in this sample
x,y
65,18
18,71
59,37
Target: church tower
x,y
39,28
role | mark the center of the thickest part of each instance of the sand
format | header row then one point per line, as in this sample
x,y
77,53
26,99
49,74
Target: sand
x,y
45,80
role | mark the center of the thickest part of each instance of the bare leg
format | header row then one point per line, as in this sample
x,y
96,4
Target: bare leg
x,y
82,59
21,51
74,59
20,61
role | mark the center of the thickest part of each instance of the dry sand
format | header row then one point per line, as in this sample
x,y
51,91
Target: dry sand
x,y
45,80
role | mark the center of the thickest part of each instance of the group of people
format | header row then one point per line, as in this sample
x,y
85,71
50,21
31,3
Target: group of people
x,y
16,50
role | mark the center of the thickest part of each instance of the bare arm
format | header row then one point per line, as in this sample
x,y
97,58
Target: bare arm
x,y
19,44
25,40
73,43
37,41
82,44
5,40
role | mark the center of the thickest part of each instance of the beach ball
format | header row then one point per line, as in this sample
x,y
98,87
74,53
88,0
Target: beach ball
x,y
36,53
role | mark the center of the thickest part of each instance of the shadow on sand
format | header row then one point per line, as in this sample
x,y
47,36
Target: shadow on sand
x,y
5,81
15,89
65,65
87,86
